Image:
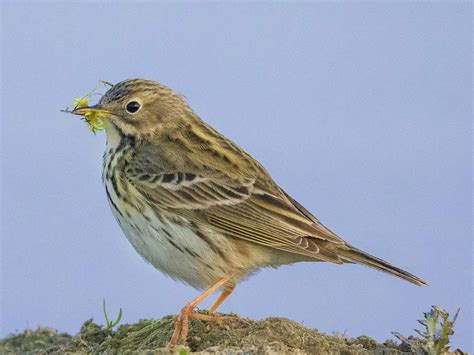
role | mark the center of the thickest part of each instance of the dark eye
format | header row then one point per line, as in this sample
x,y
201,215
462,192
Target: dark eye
x,y
133,106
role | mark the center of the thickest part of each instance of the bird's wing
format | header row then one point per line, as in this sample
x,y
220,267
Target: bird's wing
x,y
241,207
183,190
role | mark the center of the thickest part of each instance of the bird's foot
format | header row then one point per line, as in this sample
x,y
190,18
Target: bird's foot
x,y
181,328
181,325
211,318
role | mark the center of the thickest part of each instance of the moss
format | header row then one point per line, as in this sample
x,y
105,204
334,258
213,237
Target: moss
x,y
40,340
232,336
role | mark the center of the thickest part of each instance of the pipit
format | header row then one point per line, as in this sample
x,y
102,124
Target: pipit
x,y
197,206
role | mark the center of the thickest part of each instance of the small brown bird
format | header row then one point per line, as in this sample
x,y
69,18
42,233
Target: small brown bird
x,y
196,205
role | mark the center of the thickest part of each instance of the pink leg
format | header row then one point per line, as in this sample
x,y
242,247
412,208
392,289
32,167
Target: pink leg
x,y
182,321
222,298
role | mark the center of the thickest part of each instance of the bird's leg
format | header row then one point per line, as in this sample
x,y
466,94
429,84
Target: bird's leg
x,y
182,321
226,293
212,318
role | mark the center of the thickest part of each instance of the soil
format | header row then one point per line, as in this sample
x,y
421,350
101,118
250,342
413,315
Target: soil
x,y
232,336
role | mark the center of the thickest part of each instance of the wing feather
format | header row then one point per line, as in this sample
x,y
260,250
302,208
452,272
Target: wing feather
x,y
239,207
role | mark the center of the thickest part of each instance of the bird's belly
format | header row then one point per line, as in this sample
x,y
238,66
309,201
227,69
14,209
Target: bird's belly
x,y
171,244
172,248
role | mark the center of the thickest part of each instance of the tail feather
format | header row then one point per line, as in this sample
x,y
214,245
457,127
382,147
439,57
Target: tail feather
x,y
352,254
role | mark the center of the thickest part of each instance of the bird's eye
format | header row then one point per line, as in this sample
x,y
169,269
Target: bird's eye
x,y
133,106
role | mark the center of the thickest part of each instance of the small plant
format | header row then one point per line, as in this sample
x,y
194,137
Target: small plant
x,y
435,336
108,323
93,117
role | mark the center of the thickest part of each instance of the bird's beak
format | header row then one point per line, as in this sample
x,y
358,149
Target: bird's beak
x,y
87,110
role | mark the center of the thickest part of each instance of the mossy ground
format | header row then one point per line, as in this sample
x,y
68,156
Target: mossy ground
x,y
232,336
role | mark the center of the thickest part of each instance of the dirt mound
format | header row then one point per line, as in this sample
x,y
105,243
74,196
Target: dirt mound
x,y
233,336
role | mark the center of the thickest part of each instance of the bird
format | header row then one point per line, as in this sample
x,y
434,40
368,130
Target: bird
x,y
197,206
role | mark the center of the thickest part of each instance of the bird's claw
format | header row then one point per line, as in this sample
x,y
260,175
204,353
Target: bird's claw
x,y
181,327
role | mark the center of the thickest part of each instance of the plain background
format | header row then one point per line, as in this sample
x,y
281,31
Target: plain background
x,y
360,110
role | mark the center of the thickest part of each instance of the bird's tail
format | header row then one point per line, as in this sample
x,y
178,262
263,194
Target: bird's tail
x,y
352,254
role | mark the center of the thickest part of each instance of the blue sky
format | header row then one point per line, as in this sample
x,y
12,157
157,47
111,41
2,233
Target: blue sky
x,y
361,111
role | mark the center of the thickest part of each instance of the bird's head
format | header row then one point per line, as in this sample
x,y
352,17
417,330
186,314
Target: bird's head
x,y
138,108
